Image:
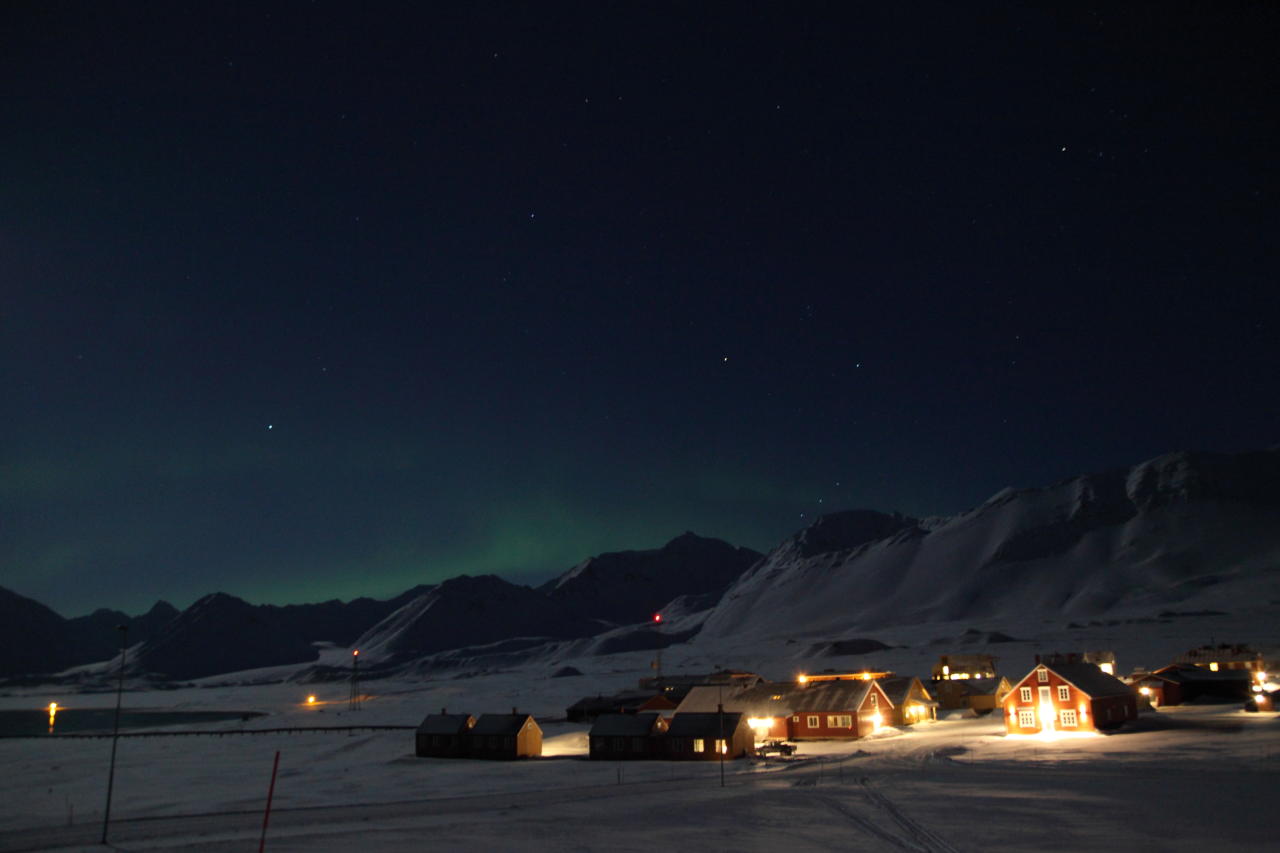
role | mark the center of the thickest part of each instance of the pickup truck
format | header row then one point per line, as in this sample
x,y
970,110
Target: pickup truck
x,y
775,747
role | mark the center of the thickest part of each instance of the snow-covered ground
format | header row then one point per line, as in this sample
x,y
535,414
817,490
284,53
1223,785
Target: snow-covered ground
x,y
1186,778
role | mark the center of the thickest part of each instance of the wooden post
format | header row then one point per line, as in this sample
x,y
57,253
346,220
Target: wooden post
x,y
266,816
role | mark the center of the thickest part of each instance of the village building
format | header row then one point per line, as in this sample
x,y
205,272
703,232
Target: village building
x,y
1180,683
839,709
626,737
1223,657
676,687
1068,697
961,667
912,703
589,708
711,736
979,695
1104,660
443,735
505,737
836,708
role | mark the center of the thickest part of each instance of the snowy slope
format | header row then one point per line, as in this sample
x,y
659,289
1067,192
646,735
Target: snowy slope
x,y
624,587
1184,529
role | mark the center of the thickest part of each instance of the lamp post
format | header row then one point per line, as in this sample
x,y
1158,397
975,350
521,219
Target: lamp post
x,y
115,734
721,746
354,704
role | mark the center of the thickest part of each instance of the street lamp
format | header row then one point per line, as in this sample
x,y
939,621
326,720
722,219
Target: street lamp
x,y
115,735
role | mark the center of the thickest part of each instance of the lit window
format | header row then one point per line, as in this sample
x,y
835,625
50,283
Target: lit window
x,y
1042,675
875,701
722,747
1067,717
840,721
1024,694
699,745
1064,693
1026,719
813,722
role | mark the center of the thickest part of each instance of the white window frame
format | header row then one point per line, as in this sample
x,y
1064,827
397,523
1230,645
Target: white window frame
x,y
875,700
1067,718
1064,693
1024,694
814,721
839,721
1042,675
1026,718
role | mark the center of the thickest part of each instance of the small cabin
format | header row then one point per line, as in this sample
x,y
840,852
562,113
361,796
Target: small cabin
x,y
443,735
626,737
505,737
912,703
1179,683
711,736
1068,697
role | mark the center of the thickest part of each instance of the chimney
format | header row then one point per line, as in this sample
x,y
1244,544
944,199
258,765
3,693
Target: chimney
x,y
514,712
1037,660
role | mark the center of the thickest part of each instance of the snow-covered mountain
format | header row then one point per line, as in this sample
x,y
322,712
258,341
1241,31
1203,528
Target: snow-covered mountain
x,y
1185,528
467,611
625,587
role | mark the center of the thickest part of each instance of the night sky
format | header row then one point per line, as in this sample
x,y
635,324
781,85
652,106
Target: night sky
x,y
301,301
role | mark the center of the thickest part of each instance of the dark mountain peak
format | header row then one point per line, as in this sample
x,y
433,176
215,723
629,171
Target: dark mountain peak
x,y
844,531
161,610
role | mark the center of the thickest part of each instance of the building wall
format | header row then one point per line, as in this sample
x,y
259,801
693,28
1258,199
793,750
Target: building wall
x,y
1083,713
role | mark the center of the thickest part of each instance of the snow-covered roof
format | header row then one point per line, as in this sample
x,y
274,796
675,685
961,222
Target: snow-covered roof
x,y
444,724
1088,678
625,725
501,724
704,725
833,695
899,688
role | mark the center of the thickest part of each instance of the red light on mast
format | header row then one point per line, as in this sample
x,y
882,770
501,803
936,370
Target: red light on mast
x,y
657,617
355,653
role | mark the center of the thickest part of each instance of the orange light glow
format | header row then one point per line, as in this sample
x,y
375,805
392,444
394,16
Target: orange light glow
x,y
311,700
802,678
355,653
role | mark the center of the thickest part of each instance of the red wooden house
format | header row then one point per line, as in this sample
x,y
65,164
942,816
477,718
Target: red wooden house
x,y
1068,697
839,708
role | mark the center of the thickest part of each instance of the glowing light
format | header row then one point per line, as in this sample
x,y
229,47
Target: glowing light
x,y
53,712
355,653
657,617
1047,716
1213,667
761,725
866,676
1108,668
876,719
946,670
802,678
311,700
1145,691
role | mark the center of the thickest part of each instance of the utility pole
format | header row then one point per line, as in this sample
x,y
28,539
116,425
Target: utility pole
x,y
354,704
721,746
115,735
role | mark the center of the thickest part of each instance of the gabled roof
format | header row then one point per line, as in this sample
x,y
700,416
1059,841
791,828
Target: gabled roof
x,y
705,699
834,696
704,725
899,688
625,725
445,724
1086,677
502,724
1184,673
981,686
